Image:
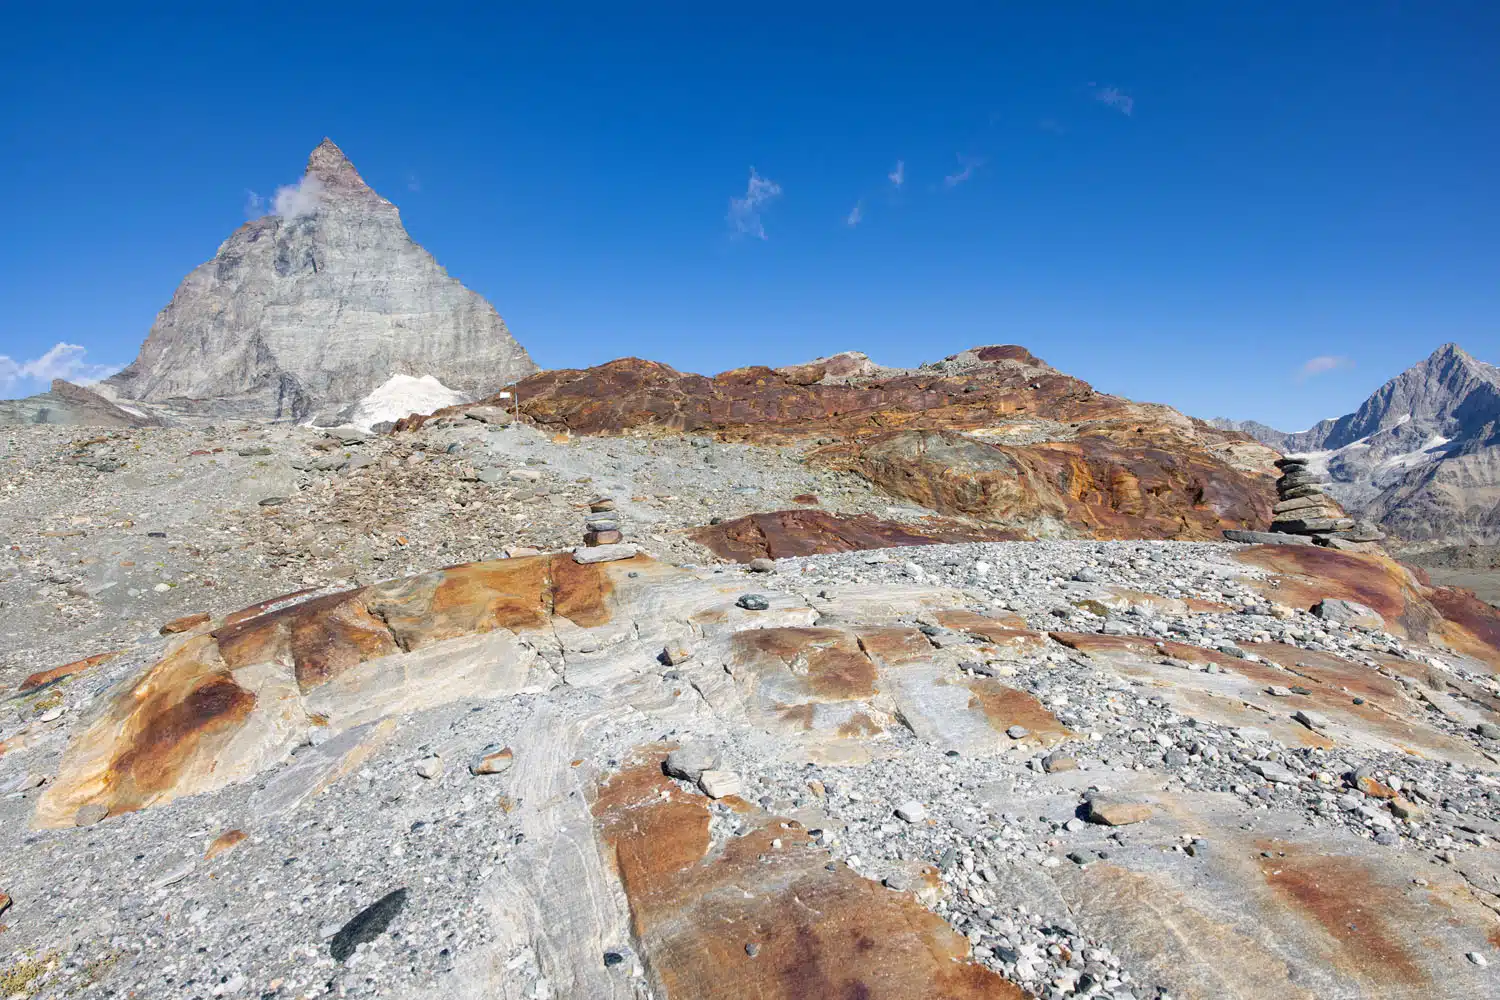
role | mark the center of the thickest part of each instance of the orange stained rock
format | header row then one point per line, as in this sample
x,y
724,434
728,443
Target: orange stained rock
x,y
1351,905
815,932
226,841
828,661
185,623
995,628
1308,573
177,712
325,636
786,533
42,677
1007,706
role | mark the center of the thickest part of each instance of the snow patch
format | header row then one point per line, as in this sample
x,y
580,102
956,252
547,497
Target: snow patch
x,y
1412,459
401,396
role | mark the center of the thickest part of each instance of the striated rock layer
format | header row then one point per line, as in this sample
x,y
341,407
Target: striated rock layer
x,y
943,773
304,313
992,434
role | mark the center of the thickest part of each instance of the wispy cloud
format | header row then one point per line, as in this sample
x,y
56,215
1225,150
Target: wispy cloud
x,y
969,164
1114,98
413,183
744,213
65,361
857,215
1052,125
301,198
1321,364
898,175
290,200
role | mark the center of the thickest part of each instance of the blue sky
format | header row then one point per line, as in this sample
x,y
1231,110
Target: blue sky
x,y
1179,202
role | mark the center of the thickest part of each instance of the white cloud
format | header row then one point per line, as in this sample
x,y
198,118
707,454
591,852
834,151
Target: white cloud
x,y
898,176
1112,97
969,165
857,215
65,361
255,205
301,198
744,213
1322,363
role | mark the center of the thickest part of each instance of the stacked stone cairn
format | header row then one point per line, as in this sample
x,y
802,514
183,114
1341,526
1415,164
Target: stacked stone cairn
x,y
602,526
1303,509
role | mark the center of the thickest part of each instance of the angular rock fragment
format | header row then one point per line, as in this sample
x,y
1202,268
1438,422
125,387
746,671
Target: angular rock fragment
x,y
492,760
367,925
1111,811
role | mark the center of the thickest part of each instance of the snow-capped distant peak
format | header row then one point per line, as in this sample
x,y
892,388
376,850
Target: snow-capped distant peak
x,y
401,396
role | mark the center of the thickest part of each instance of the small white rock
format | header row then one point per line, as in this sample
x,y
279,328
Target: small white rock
x,y
431,767
912,811
716,784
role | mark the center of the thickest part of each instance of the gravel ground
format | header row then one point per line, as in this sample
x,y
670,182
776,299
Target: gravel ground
x,y
98,556
109,535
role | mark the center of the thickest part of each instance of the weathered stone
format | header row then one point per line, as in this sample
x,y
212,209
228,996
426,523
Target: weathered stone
x,y
1058,762
367,925
496,415
676,652
689,762
1310,526
587,556
1117,812
90,814
601,538
1265,538
911,811
1347,613
790,533
492,760
717,784
186,623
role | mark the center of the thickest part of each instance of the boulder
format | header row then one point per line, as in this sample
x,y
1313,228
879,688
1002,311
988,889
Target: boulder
x,y
1348,613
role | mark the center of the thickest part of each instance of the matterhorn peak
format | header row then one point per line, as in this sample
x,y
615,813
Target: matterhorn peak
x,y
333,170
304,321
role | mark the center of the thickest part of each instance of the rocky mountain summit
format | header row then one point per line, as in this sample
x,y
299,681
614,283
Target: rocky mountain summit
x,y
1419,456
304,313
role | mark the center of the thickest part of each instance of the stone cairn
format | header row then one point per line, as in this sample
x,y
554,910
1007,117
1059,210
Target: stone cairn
x,y
602,526
1303,509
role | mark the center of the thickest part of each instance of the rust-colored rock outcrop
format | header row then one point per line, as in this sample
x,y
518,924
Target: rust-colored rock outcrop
x,y
993,434
783,534
765,917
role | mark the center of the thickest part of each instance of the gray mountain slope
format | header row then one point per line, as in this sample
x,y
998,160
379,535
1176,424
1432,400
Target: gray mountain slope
x,y
1421,456
72,405
302,313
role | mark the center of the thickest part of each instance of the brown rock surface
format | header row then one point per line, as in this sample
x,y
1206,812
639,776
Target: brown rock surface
x,y
786,533
994,434
697,915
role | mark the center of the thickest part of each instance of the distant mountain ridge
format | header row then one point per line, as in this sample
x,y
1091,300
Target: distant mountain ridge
x,y
1421,455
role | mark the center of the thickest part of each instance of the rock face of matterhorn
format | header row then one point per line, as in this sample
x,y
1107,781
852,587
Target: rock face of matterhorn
x,y
303,313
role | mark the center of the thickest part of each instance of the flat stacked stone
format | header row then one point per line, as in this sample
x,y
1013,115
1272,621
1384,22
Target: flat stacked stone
x,y
602,526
